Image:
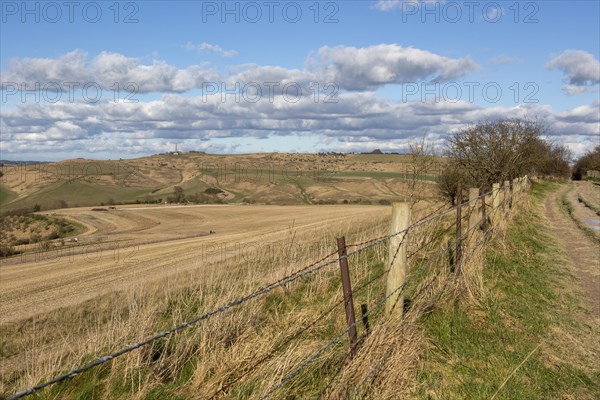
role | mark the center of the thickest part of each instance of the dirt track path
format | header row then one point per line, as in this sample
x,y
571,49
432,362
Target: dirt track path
x,y
583,253
585,214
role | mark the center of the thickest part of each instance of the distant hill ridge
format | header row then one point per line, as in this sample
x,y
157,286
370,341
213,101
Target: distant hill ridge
x,y
267,178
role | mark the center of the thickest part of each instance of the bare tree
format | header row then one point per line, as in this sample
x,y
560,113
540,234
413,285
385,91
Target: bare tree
x,y
448,180
496,151
589,161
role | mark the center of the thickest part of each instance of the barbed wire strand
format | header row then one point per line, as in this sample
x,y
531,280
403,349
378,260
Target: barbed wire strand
x,y
387,236
280,346
379,363
332,342
432,240
308,270
376,366
313,323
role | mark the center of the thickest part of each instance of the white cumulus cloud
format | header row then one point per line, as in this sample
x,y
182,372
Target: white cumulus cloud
x,y
580,68
371,67
210,48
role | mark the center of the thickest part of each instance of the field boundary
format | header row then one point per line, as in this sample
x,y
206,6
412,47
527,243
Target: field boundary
x,y
469,224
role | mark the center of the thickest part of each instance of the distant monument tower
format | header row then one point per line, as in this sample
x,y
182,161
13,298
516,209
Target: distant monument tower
x,y
176,152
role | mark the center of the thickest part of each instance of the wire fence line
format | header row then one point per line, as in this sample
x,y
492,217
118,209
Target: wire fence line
x,y
470,231
304,272
337,338
378,364
308,270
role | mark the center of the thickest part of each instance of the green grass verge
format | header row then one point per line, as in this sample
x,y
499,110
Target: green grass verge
x,y
6,195
475,352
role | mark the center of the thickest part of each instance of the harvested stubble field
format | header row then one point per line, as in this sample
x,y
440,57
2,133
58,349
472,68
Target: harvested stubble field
x,y
134,245
140,270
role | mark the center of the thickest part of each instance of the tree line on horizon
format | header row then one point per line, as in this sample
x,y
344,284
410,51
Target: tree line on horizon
x,y
502,150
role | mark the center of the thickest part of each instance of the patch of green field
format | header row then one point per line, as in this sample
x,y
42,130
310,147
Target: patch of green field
x,y
79,193
380,175
379,157
6,195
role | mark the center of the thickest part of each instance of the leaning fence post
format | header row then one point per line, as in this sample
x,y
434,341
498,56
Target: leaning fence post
x,y
458,255
347,290
397,257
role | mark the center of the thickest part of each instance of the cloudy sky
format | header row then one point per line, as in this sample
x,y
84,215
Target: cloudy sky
x,y
127,79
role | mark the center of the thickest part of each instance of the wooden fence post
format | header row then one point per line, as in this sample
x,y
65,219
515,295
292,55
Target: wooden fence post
x,y
365,318
495,203
521,180
458,253
397,258
483,210
511,192
506,191
347,289
474,218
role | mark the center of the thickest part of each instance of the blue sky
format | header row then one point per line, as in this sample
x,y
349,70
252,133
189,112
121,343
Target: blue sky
x,y
387,73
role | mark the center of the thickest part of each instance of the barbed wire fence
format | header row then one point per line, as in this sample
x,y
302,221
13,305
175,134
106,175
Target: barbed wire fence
x,y
458,245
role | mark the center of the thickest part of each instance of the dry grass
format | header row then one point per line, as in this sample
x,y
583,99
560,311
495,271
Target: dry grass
x,y
248,349
65,338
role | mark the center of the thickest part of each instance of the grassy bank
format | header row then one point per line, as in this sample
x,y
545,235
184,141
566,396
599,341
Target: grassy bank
x,y
528,338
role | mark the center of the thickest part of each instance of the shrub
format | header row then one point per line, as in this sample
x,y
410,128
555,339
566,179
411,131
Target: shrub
x,y
6,250
213,191
448,182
